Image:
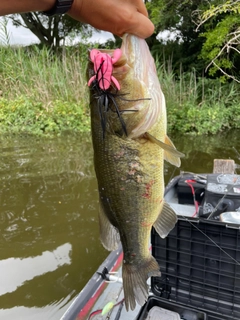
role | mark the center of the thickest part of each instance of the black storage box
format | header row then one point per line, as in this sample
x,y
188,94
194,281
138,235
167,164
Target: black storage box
x,y
184,190
200,265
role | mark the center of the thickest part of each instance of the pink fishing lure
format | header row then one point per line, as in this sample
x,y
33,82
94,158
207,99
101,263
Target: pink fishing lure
x,y
103,67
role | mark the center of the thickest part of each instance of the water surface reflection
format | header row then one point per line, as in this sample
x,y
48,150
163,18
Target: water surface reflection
x,y
49,245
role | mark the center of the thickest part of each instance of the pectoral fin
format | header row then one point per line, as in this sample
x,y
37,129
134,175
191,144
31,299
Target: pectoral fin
x,y
109,235
165,221
171,154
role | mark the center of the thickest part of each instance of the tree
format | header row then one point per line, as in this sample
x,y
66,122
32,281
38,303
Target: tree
x,y
222,39
176,17
51,31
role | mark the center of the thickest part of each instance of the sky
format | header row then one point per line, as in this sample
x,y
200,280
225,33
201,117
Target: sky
x,y
20,35
23,36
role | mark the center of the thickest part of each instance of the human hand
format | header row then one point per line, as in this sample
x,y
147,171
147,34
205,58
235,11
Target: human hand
x,y
116,16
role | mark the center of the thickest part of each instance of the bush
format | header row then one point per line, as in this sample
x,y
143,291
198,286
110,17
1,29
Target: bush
x,y
199,105
23,115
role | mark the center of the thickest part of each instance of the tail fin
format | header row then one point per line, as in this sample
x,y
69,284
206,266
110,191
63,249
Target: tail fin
x,y
134,281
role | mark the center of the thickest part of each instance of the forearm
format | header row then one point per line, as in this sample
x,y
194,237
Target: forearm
x,y
20,6
116,16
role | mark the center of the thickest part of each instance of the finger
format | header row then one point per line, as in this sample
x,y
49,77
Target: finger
x,y
141,7
141,27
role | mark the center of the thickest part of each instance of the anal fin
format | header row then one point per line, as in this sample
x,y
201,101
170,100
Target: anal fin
x,y
109,235
165,221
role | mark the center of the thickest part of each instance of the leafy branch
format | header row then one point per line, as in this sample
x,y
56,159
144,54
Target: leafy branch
x,y
227,7
231,44
222,45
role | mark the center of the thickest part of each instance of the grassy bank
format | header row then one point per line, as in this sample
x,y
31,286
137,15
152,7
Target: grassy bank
x,y
42,93
45,94
25,115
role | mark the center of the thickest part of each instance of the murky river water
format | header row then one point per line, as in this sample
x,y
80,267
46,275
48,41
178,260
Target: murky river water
x,y
49,244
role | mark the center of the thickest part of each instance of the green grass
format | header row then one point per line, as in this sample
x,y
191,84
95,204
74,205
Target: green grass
x,y
40,75
42,93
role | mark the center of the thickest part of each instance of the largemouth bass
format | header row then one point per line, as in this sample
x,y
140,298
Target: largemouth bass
x,y
129,160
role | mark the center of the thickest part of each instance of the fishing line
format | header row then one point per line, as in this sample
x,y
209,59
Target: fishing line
x,y
172,174
237,153
192,224
220,201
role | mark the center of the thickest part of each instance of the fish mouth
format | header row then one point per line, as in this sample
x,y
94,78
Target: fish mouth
x,y
133,50
136,50
131,47
127,48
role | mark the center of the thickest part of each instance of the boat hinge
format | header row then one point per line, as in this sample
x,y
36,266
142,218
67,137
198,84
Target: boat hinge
x,y
109,276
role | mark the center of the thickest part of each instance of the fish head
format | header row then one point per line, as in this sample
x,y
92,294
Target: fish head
x,y
140,101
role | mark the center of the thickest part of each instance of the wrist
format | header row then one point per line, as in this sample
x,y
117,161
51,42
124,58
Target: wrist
x,y
76,9
59,7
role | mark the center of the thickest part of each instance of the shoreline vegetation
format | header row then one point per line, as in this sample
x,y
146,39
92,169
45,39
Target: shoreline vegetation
x,y
46,94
